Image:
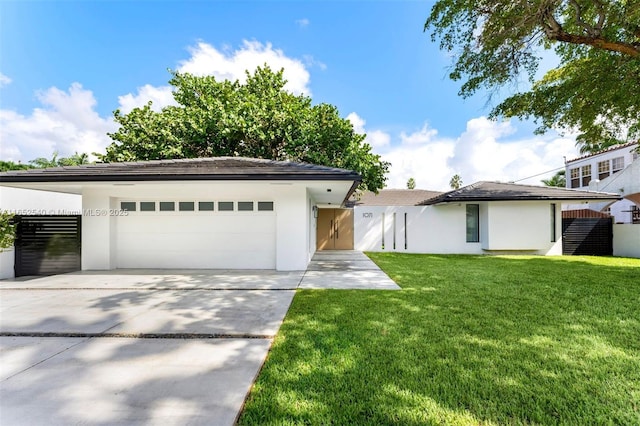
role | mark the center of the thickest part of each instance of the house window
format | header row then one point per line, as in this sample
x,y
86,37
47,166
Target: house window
x,y
167,206
225,206
147,206
586,175
205,206
245,206
575,177
265,206
553,223
617,164
186,206
473,223
603,169
128,206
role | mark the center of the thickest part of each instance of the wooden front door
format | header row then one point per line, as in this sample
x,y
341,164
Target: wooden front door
x,y
335,229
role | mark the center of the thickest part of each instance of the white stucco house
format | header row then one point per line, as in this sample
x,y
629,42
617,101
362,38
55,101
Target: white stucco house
x,y
611,170
482,218
210,213
243,213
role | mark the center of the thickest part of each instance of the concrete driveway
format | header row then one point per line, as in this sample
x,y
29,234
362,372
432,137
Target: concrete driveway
x,y
148,346
136,347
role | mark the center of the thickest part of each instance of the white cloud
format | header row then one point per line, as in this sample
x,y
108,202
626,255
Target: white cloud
x,y
67,122
227,64
486,150
421,137
303,23
207,60
159,96
375,138
4,80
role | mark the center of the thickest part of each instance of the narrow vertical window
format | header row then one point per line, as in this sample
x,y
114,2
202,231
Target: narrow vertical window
x,y
586,175
473,223
382,231
553,222
405,231
394,230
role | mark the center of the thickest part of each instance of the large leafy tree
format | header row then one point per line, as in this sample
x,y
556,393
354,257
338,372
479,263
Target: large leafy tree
x,y
595,89
258,119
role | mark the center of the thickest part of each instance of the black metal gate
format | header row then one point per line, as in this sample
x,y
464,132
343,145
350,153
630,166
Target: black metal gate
x,y
587,236
47,245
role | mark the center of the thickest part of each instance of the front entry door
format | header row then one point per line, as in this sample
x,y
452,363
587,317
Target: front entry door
x,y
335,229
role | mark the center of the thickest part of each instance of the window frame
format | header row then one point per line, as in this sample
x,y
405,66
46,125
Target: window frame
x,y
586,171
475,238
574,175
604,169
620,161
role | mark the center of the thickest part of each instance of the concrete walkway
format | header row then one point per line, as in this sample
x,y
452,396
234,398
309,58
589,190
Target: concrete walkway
x,y
150,346
345,269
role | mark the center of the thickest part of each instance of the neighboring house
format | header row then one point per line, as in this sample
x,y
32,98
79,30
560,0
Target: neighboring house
x,y
218,213
486,217
33,203
607,171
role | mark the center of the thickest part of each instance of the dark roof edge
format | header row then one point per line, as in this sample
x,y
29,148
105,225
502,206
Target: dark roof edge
x,y
179,177
537,198
353,188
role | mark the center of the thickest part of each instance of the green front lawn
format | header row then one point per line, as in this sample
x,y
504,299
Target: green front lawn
x,y
469,340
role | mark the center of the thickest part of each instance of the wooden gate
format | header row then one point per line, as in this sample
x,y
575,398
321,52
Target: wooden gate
x,y
587,236
47,245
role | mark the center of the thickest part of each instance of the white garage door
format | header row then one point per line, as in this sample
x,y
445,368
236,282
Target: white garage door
x,y
192,234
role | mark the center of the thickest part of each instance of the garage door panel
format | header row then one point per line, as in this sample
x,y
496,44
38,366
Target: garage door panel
x,y
195,224
180,259
225,241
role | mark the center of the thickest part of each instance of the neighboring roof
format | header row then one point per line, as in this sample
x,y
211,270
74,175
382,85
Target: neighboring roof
x,y
498,191
609,149
391,197
216,168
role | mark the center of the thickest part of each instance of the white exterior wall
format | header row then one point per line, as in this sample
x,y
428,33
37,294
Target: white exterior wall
x,y
523,226
626,240
292,238
504,227
429,229
277,239
32,202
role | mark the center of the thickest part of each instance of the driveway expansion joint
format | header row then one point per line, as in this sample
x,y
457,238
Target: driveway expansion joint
x,y
141,335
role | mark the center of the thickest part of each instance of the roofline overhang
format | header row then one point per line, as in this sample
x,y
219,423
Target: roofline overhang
x,y
175,177
353,188
485,199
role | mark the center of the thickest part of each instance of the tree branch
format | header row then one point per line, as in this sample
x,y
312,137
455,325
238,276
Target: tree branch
x,y
588,28
554,31
599,42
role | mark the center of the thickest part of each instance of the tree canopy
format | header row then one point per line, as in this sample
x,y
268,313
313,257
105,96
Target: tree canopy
x,y
559,180
257,119
42,162
595,89
455,182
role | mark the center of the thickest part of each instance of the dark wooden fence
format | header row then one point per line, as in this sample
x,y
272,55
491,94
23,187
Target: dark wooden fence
x,y
47,245
587,236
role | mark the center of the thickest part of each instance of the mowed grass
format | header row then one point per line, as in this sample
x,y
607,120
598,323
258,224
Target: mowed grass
x,y
469,340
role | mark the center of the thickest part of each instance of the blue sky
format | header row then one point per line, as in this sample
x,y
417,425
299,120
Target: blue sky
x,y
65,66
